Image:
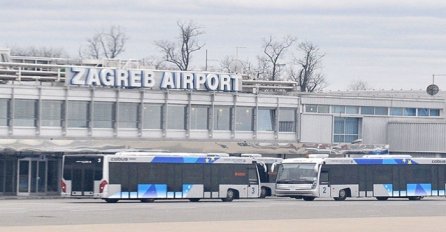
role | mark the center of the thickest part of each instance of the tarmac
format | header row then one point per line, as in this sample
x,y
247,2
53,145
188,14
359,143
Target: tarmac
x,y
388,224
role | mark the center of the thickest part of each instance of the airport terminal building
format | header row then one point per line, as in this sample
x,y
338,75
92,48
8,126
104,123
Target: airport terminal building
x,y
52,107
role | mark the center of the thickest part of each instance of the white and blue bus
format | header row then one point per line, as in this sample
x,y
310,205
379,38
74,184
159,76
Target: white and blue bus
x,y
150,176
381,177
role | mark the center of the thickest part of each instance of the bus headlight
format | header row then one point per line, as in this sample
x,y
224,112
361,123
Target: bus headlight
x,y
313,186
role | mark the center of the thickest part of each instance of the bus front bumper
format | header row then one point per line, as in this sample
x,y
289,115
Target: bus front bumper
x,y
296,192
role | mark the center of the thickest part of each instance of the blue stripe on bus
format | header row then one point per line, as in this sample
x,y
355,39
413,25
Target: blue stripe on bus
x,y
384,161
152,190
424,189
187,160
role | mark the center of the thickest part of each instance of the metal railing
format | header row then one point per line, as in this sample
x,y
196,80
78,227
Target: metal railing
x,y
31,72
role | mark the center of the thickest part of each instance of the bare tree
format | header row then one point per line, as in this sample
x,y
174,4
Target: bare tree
x,y
180,52
39,52
232,65
226,64
358,85
105,44
306,70
154,62
263,70
274,50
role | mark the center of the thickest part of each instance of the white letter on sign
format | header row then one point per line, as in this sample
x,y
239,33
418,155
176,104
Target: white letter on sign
x,y
134,78
147,79
107,77
188,80
167,82
121,78
225,83
212,82
78,75
93,77
200,79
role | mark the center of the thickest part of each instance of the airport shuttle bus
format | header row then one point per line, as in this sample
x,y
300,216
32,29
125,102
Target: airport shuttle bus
x,y
380,177
149,176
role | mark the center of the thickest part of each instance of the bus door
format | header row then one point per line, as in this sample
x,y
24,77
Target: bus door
x,y
438,184
441,180
396,185
324,183
253,178
83,172
364,191
82,183
211,180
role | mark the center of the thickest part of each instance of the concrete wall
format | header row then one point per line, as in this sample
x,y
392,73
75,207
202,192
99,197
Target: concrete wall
x,y
316,128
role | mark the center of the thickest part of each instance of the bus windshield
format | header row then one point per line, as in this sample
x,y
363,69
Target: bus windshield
x,y
296,173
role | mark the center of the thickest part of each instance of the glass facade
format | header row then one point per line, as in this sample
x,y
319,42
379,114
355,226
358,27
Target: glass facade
x,y
381,111
176,117
396,111
423,112
287,120
346,130
244,116
367,110
352,109
338,109
152,116
311,108
266,119
4,106
409,112
25,112
103,114
199,117
434,112
373,110
77,114
323,109
51,113
128,115
222,118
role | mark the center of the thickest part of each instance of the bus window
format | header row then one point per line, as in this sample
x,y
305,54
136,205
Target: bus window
x,y
324,178
252,176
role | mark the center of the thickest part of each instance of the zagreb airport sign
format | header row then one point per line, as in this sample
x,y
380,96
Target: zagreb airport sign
x,y
153,79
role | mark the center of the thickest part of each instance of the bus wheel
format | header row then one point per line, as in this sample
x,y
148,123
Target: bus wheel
x,y
229,196
308,198
194,199
111,200
263,192
382,198
147,200
417,198
342,195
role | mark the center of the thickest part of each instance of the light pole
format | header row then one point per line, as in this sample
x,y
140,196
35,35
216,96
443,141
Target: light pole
x,y
236,57
206,61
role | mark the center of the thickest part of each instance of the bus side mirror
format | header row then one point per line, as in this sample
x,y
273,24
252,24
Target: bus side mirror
x,y
273,166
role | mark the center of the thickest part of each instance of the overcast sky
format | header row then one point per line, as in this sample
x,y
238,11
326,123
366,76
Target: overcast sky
x,y
390,44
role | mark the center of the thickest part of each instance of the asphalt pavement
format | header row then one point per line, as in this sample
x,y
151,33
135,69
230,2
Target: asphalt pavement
x,y
271,214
